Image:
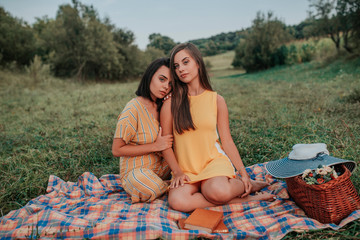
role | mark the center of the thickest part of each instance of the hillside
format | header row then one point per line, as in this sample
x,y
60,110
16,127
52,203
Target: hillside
x,y
228,41
219,43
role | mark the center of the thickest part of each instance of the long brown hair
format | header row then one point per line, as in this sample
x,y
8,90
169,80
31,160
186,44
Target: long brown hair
x,y
180,107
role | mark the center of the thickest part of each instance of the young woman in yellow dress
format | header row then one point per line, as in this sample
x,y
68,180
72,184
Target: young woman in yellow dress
x,y
203,169
138,139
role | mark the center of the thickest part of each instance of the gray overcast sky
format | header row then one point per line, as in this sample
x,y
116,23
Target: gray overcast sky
x,y
180,20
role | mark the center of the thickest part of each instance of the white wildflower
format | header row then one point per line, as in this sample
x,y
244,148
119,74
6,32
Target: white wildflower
x,y
328,169
306,172
321,171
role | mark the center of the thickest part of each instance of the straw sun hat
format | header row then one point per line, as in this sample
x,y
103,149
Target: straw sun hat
x,y
302,157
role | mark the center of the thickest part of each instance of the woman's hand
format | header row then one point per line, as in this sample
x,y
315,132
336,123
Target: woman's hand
x,y
163,142
247,184
178,180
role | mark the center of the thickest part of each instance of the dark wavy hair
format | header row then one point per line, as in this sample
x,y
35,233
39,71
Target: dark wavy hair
x,y
144,85
180,107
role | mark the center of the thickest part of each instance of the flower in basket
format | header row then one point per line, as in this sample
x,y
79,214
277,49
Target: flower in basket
x,y
321,175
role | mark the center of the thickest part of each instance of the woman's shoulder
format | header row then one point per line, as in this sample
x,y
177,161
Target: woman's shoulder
x,y
220,102
133,101
131,108
210,92
133,104
215,95
219,97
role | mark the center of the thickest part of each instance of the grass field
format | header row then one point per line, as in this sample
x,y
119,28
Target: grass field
x,y
65,128
221,61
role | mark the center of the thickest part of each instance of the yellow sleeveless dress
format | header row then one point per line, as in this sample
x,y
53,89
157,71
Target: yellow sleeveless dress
x,y
198,152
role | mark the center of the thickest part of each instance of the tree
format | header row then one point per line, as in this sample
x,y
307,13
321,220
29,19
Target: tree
x,y
300,31
161,42
78,43
348,14
17,41
327,23
123,37
68,42
266,35
101,59
338,19
355,20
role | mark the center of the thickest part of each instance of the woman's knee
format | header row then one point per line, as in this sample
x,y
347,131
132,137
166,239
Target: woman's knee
x,y
144,185
179,202
216,193
176,202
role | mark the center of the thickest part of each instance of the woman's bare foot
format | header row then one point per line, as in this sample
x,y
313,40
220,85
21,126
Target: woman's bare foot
x,y
258,185
264,196
260,196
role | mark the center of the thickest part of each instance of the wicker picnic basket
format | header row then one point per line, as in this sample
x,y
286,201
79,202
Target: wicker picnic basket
x,y
329,202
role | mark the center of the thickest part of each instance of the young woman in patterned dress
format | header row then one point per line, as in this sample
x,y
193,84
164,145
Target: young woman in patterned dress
x,y
138,138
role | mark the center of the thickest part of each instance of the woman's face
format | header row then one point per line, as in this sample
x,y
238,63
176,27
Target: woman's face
x,y
185,66
160,83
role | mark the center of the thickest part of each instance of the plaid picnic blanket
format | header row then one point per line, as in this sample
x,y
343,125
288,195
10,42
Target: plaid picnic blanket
x,y
93,208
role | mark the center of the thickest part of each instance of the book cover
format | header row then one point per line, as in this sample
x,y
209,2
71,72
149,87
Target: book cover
x,y
220,228
203,219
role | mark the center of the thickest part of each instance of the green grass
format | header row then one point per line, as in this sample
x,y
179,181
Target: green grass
x,y
221,61
65,128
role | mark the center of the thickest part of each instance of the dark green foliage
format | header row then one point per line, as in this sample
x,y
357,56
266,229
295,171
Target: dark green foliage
x,y
293,56
161,42
17,41
152,53
299,31
219,43
74,44
261,44
80,45
348,17
307,52
280,55
354,19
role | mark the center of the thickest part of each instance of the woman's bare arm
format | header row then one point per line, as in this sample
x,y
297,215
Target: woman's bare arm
x,y
228,143
166,122
162,142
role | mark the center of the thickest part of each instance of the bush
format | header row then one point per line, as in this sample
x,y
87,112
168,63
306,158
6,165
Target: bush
x,y
261,44
37,70
307,52
353,97
293,55
280,55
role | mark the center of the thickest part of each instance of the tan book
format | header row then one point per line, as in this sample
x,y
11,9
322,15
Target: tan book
x,y
203,219
220,228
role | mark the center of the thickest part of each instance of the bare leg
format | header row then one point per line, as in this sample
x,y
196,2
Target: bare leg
x,y
220,190
187,198
214,191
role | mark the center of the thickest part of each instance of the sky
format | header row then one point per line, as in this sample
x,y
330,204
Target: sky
x,y
180,20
